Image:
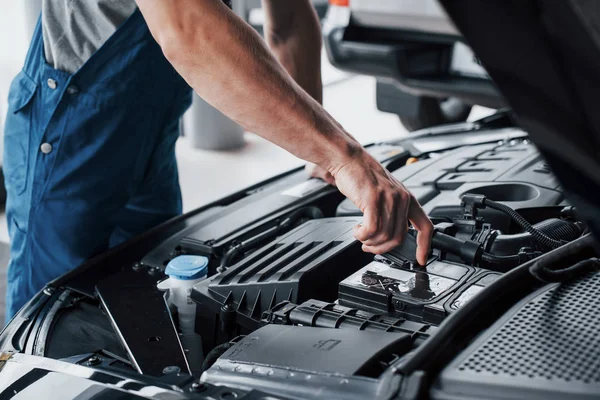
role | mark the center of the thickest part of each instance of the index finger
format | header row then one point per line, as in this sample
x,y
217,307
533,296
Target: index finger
x,y
424,227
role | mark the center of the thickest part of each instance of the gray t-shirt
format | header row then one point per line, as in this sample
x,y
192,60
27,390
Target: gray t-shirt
x,y
74,29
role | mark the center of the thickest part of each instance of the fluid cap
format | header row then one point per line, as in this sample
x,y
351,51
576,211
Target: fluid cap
x,y
187,268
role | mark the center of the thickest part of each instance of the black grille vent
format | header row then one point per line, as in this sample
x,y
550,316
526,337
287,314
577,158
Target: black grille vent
x,y
545,347
554,337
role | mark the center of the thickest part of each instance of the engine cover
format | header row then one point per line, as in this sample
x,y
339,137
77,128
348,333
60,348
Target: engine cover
x,y
307,263
513,173
545,347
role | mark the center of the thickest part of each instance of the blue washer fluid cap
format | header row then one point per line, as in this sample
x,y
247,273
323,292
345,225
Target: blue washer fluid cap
x,y
187,268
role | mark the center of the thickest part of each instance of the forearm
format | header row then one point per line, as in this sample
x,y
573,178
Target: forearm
x,y
293,33
229,66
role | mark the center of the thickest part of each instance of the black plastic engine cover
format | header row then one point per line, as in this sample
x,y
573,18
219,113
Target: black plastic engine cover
x,y
310,363
546,347
307,263
320,314
317,350
512,173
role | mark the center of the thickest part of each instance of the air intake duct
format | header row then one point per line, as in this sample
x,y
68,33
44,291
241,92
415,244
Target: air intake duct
x,y
557,229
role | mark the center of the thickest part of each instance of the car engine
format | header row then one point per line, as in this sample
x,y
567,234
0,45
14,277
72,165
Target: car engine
x,y
292,307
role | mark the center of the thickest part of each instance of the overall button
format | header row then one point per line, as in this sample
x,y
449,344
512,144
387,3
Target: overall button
x,y
72,89
46,148
52,83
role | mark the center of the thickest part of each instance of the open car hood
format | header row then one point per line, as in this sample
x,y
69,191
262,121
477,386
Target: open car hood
x,y
544,55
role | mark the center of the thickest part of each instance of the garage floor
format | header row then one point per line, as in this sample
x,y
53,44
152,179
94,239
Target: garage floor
x,y
208,175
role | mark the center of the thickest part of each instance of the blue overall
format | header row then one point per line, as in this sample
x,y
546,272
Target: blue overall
x,y
89,157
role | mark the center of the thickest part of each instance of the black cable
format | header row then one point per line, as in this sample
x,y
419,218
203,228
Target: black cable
x,y
557,229
540,237
472,253
499,263
306,212
239,248
560,229
214,355
545,273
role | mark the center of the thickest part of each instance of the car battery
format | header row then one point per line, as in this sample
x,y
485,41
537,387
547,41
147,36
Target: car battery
x,y
475,285
405,290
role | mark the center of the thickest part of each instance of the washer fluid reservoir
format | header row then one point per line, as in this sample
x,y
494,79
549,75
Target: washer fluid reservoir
x,y
184,272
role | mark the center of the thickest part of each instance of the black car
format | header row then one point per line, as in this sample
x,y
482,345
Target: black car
x,y
426,74
505,308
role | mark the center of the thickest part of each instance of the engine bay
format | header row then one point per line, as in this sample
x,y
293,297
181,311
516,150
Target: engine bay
x,y
287,301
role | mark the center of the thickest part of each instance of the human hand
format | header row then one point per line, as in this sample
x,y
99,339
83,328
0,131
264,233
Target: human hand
x,y
386,204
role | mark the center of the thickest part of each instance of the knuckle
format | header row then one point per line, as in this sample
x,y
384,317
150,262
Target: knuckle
x,y
372,198
370,230
361,236
404,196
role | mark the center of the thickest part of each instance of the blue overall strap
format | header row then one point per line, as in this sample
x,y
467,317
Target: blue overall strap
x,y
90,157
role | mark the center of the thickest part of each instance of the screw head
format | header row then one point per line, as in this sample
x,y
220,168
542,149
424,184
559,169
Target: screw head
x,y
171,370
227,308
198,387
94,360
399,305
49,291
138,266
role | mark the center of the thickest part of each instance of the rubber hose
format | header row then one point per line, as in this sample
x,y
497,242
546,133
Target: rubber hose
x,y
539,236
499,263
241,247
214,355
306,212
558,229
549,275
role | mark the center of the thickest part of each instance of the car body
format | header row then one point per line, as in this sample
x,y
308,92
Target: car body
x,y
505,308
251,10
418,56
106,329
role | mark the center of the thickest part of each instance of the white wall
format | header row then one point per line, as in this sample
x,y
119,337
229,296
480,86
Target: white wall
x,y
16,24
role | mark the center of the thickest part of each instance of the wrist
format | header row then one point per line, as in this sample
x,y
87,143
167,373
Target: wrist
x,y
349,153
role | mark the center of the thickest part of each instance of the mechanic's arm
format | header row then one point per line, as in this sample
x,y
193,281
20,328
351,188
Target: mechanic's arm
x,y
229,66
293,33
